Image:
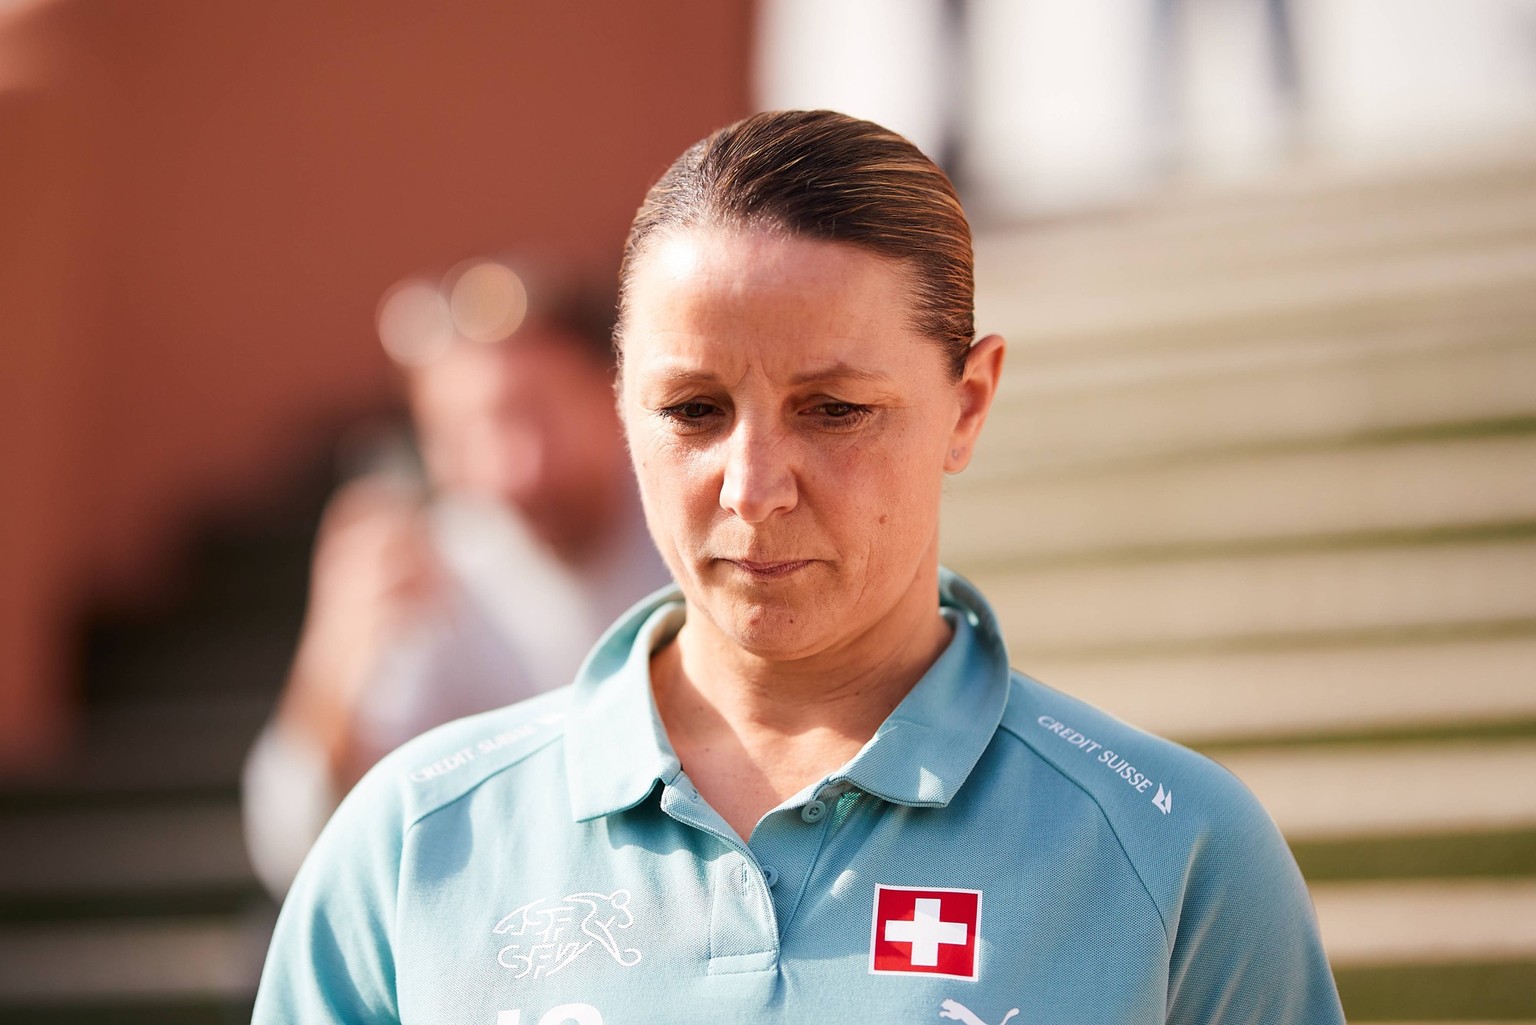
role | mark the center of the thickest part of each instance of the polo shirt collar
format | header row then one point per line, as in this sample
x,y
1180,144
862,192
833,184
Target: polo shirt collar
x,y
617,749
927,747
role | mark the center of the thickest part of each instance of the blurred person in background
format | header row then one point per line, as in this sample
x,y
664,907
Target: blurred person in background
x,y
472,577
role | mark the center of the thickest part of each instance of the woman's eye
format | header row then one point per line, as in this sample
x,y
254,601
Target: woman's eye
x,y
841,414
689,415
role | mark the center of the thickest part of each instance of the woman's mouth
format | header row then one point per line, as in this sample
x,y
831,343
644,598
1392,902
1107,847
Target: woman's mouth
x,y
769,570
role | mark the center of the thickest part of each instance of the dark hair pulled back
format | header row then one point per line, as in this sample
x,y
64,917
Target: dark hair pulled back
x,y
822,175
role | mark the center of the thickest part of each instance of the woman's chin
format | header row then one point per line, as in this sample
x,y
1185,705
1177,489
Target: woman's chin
x,y
775,632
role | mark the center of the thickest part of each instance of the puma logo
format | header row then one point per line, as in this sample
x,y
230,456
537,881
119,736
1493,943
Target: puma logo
x,y
956,1011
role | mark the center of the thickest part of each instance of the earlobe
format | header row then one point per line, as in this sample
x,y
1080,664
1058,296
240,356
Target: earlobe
x,y
976,389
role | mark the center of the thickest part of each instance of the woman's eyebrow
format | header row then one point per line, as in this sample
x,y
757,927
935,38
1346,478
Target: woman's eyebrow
x,y
683,374
839,371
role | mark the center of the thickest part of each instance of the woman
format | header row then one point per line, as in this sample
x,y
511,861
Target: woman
x,y
805,785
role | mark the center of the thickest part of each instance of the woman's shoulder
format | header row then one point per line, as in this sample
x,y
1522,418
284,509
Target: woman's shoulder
x,y
1170,808
445,763
1120,765
1232,900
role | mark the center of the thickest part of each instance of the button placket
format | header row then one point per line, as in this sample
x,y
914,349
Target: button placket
x,y
816,809
743,924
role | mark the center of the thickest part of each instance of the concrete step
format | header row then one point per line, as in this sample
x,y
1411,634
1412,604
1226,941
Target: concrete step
x,y
1277,599
109,852
1152,307
187,744
1085,277
1238,696
1337,791
126,961
183,1011
1236,500
233,656
1463,313
1248,398
1453,991
1429,921
1459,854
1284,220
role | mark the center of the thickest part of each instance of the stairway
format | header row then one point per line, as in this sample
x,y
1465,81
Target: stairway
x,y
1262,478
125,893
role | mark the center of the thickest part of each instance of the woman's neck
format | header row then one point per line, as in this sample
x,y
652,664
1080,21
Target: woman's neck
x,y
752,732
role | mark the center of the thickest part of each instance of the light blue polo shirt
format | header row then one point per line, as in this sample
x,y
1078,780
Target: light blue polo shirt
x,y
998,852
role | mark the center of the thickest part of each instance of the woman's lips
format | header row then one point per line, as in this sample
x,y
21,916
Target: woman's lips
x,y
769,570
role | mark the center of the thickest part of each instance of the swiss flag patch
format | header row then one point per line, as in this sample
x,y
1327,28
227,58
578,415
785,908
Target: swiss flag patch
x,y
925,932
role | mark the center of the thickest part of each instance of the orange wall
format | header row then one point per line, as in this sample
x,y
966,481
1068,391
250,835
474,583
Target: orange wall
x,y
200,204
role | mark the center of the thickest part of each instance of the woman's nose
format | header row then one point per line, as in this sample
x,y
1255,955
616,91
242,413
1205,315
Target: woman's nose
x,y
759,480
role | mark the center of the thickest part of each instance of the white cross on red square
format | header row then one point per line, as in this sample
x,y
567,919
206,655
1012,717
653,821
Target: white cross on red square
x,y
931,931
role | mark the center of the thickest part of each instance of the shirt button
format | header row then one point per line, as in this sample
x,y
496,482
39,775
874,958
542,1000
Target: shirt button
x,y
770,876
813,811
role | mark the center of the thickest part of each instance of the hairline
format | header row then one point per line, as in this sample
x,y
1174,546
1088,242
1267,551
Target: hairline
x,y
775,227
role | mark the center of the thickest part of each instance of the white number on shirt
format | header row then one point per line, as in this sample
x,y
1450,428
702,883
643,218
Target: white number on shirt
x,y
580,1014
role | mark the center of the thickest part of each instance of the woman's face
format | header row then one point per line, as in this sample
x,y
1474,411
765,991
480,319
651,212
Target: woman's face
x,y
790,431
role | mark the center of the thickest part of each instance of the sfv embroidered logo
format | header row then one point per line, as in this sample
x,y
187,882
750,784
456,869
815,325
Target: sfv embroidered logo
x,y
555,934
930,931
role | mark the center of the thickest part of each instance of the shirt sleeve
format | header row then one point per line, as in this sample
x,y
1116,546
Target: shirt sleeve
x,y
286,797
1247,949
332,954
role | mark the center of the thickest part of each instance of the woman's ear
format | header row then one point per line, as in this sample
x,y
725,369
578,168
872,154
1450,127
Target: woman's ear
x,y
976,388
